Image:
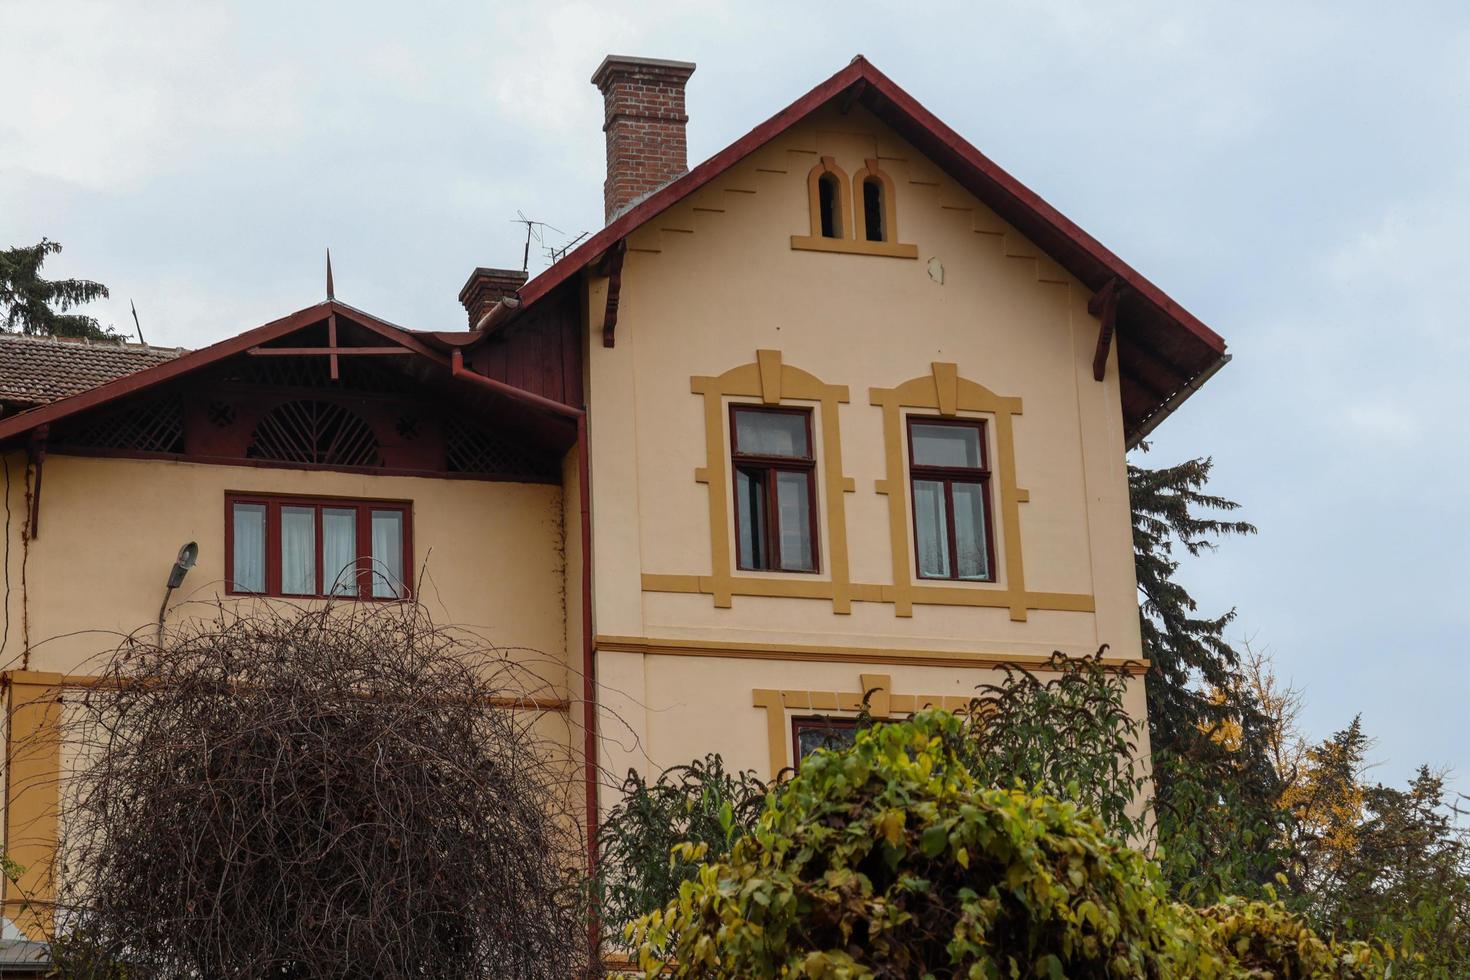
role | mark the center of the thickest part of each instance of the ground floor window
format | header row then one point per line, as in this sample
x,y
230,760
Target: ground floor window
x,y
317,546
820,732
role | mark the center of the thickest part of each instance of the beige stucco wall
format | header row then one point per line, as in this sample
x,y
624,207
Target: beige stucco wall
x,y
715,279
488,555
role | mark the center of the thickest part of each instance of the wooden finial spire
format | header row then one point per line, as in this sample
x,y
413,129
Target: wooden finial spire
x,y
330,293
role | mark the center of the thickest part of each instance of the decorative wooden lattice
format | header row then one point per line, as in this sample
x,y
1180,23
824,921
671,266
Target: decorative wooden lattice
x,y
471,450
154,425
314,432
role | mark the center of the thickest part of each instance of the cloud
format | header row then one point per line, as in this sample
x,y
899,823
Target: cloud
x,y
112,94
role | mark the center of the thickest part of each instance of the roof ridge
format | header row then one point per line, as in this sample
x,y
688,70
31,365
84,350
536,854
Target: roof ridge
x,y
121,345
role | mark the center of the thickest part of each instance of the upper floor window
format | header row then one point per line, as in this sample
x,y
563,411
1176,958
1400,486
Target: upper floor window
x,y
829,205
317,546
775,488
951,494
828,192
873,210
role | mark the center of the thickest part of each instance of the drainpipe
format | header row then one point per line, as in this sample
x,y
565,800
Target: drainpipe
x,y
458,370
589,673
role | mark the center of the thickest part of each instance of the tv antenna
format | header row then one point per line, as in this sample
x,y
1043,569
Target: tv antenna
x,y
136,323
534,230
556,254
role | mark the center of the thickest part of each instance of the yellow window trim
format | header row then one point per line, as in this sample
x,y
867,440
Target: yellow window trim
x,y
854,237
773,382
942,391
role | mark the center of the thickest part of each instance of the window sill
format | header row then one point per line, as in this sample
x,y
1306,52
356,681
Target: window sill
x,y
233,594
980,582
850,246
775,572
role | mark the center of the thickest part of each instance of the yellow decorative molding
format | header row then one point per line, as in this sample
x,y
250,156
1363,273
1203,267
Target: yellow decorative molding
x,y
890,203
945,392
882,703
32,796
772,381
896,250
820,653
942,391
852,239
825,166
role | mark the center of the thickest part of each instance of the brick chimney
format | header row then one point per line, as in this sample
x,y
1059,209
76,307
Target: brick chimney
x,y
643,103
487,286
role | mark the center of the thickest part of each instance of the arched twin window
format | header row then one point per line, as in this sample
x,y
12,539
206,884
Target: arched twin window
x,y
861,209
828,191
878,220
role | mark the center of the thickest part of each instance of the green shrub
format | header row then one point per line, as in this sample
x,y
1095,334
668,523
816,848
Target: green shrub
x,y
701,802
888,860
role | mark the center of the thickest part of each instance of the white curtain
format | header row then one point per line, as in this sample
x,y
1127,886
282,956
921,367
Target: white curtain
x,y
973,561
796,529
248,574
339,550
933,536
298,550
388,554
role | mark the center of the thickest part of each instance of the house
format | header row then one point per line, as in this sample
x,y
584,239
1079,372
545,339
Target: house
x,y
842,410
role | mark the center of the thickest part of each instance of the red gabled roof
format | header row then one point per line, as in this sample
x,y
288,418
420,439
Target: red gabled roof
x,y
539,415
191,361
1163,350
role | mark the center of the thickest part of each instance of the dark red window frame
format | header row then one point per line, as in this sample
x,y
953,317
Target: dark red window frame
x,y
823,723
949,476
768,467
273,504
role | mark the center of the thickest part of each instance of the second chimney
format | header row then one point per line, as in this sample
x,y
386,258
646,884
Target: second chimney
x,y
486,287
644,118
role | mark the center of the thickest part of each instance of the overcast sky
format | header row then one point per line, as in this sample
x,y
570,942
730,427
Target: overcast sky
x,y
1295,174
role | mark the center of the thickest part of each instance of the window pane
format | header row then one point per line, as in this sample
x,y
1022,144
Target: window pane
x,y
931,525
873,209
339,550
750,499
946,445
823,733
828,205
388,554
771,433
971,561
298,550
248,574
795,521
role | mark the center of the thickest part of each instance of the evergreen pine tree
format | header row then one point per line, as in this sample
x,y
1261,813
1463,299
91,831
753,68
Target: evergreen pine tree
x,y
38,307
1191,659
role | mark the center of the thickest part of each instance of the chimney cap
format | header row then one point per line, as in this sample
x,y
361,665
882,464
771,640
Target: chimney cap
x,y
507,279
613,62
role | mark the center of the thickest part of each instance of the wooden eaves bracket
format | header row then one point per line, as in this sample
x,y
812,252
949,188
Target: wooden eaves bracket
x,y
612,267
1104,306
36,456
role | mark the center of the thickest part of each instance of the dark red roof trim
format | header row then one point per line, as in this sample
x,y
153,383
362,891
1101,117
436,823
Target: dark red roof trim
x,y
1179,347
205,356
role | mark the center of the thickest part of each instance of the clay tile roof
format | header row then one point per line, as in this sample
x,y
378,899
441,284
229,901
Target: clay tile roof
x,y
37,370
